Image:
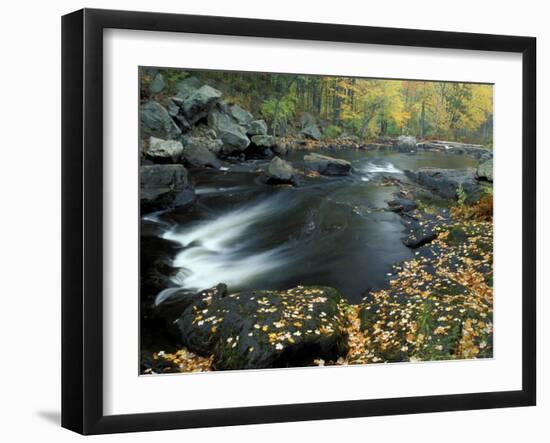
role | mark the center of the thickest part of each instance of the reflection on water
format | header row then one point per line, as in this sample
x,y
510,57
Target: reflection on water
x,y
327,232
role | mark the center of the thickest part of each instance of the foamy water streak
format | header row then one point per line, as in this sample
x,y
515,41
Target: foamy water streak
x,y
386,167
220,190
216,250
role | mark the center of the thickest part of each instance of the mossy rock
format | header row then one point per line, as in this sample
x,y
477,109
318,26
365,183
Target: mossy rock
x,y
264,329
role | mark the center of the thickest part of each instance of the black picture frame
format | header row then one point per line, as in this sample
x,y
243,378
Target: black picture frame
x,y
82,218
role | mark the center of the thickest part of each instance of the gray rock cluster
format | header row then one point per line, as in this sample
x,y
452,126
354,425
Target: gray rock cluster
x,y
170,140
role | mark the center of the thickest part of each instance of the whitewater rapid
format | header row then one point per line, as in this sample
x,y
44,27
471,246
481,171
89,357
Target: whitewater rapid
x,y
214,250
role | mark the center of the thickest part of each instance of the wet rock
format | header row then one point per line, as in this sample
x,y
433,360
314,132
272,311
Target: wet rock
x,y
421,228
446,182
164,151
323,164
156,121
164,186
280,171
198,104
232,134
199,156
309,127
156,270
264,329
419,237
485,170
401,204
257,127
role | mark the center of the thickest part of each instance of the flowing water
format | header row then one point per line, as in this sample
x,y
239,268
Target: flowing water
x,y
328,231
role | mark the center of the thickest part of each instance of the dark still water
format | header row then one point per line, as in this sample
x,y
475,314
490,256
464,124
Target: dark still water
x,y
329,231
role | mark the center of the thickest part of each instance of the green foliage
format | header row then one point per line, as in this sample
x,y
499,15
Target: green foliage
x,y
332,132
279,111
461,195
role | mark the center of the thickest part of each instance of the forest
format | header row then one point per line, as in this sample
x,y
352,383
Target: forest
x,y
362,107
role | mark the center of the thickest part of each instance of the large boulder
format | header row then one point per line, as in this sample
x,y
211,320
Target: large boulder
x,y
309,127
155,121
323,164
257,127
485,170
264,141
406,143
164,151
232,134
264,329
186,87
214,145
280,171
447,182
198,155
198,104
164,186
241,116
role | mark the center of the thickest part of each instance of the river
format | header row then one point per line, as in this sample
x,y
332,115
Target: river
x,y
332,231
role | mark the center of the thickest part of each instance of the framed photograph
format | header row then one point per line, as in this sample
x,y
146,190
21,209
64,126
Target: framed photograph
x,y
269,221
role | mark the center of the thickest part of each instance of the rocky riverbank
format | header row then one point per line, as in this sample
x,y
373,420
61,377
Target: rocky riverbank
x,y
437,305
